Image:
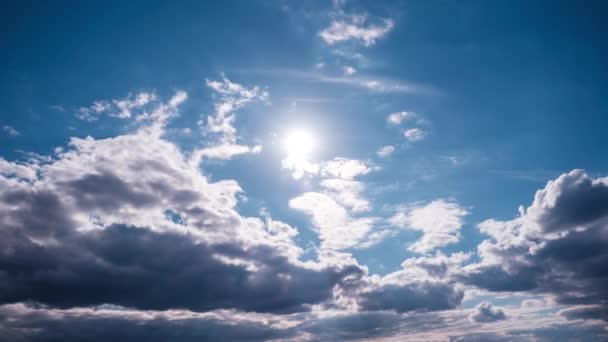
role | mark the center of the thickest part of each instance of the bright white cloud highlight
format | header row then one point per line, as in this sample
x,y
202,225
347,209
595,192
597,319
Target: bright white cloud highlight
x,y
349,70
353,27
439,221
219,126
385,151
336,227
414,134
398,117
121,108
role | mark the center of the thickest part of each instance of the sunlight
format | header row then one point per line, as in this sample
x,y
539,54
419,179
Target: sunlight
x,y
299,145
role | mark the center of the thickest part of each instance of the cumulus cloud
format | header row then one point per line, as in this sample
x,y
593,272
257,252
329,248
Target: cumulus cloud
x,y
398,117
485,312
557,245
337,228
345,168
354,27
131,221
414,134
385,151
349,70
439,221
334,207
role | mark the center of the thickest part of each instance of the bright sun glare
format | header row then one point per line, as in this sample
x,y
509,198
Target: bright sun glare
x,y
299,145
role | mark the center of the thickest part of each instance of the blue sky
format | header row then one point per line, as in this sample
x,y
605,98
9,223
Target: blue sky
x,y
431,161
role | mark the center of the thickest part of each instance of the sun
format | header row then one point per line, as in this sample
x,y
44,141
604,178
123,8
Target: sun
x,y
299,144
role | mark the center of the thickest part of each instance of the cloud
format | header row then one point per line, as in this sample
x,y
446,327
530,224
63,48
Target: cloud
x,y
347,193
385,151
20,171
19,322
485,312
558,245
227,151
439,221
407,297
414,134
342,168
336,227
398,117
353,27
132,221
219,126
339,199
121,108
349,70
10,131
370,83
345,168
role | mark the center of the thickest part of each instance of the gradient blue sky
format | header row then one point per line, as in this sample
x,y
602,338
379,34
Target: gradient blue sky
x,y
498,98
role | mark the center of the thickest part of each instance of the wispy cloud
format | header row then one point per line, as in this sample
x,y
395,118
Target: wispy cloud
x,y
120,108
219,126
385,151
11,131
414,134
374,84
355,27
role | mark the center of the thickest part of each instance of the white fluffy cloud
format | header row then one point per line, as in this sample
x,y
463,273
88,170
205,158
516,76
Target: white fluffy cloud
x,y
385,151
439,221
353,27
414,134
337,228
398,117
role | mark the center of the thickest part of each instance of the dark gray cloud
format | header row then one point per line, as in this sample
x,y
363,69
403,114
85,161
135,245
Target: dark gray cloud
x,y
559,245
84,235
586,312
555,332
411,296
485,312
139,268
22,324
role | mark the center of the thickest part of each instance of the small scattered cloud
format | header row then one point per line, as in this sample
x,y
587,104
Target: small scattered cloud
x,y
414,134
11,131
385,151
355,27
398,117
120,108
485,312
349,70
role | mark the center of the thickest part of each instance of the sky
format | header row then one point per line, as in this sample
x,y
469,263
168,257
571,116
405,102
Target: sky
x,y
303,171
